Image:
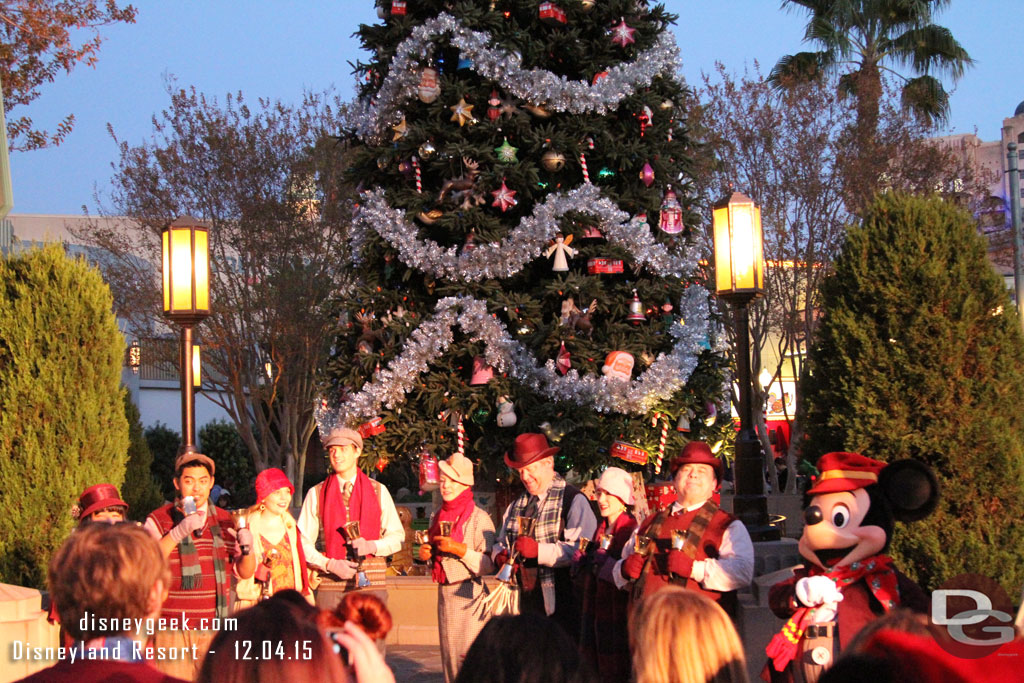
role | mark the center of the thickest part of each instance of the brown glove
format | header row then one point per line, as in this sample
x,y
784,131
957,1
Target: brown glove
x,y
447,545
425,552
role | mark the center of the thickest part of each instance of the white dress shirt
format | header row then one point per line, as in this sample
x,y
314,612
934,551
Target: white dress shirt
x,y
732,570
392,534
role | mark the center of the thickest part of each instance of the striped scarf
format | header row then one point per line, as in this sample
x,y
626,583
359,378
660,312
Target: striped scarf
x,y
548,528
191,570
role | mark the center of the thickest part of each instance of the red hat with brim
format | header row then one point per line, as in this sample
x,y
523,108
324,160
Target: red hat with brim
x,y
529,448
99,497
696,453
845,472
269,481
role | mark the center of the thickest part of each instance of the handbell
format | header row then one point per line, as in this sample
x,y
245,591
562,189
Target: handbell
x,y
606,541
352,530
505,573
642,546
678,539
582,543
446,528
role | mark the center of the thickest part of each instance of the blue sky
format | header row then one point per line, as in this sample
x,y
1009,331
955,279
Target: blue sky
x,y
279,49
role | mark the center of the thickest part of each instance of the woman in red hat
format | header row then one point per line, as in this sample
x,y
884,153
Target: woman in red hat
x,y
98,503
277,546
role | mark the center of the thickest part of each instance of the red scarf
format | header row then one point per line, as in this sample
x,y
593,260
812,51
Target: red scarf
x,y
876,570
459,509
362,505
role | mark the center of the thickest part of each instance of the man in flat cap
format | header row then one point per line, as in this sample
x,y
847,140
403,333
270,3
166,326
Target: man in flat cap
x,y
203,549
345,496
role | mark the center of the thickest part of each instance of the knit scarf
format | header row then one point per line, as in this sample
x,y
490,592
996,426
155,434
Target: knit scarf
x,y
457,510
362,505
878,575
191,570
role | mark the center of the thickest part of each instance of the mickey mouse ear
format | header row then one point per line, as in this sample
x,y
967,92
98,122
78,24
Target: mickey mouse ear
x,y
911,489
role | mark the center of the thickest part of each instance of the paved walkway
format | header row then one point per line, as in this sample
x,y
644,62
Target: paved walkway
x,y
415,663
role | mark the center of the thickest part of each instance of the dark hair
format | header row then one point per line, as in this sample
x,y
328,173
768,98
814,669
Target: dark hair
x,y
527,648
192,463
278,622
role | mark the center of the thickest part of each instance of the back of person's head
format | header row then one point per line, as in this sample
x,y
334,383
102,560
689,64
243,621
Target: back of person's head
x,y
107,572
681,636
274,641
366,611
527,648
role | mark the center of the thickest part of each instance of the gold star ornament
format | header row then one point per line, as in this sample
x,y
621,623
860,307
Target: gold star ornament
x,y
463,112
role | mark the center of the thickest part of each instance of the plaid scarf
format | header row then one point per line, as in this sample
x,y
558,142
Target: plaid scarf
x,y
547,530
191,570
878,575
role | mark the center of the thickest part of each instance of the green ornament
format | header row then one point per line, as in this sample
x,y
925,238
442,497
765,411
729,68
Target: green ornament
x,y
480,415
542,185
605,173
506,153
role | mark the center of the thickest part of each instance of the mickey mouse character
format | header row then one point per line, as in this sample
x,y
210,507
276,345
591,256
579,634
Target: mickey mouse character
x,y
847,580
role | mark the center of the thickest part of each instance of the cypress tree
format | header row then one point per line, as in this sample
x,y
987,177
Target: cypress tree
x,y
141,490
920,355
62,419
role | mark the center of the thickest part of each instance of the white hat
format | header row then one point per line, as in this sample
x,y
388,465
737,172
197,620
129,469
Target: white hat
x,y
617,482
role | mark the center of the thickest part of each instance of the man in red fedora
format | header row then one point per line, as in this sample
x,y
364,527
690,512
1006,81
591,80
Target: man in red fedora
x,y
693,542
562,515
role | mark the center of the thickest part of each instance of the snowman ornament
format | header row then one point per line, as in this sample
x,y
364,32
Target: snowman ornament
x,y
506,412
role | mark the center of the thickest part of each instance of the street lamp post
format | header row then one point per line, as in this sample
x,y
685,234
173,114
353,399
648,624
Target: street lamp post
x,y
186,289
739,279
1018,240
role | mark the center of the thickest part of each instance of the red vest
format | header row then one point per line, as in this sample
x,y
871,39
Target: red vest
x,y
200,603
656,574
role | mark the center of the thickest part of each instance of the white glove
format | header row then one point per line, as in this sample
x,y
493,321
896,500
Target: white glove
x,y
364,547
343,569
244,541
193,522
813,591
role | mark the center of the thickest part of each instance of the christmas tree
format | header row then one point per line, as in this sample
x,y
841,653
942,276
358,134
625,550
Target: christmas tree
x,y
526,238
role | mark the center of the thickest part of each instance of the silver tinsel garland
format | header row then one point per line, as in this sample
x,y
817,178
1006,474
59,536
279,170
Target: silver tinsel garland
x,y
431,338
371,118
526,242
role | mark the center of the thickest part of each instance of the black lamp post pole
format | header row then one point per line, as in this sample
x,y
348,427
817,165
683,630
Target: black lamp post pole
x,y
749,503
188,405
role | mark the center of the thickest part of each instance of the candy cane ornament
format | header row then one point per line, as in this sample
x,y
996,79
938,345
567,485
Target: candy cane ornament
x,y
419,174
461,438
661,441
583,160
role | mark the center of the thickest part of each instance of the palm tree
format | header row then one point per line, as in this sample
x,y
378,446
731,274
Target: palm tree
x,y
859,39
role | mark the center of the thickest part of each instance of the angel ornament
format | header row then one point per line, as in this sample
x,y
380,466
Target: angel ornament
x,y
562,252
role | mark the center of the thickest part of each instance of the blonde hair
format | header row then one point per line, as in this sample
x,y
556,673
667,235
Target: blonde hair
x,y
681,636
